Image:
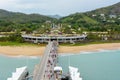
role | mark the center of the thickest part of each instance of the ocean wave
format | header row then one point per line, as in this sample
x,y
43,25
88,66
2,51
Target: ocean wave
x,y
80,53
66,54
87,52
21,56
31,57
103,50
108,50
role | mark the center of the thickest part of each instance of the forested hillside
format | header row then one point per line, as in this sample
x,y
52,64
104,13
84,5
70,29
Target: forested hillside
x,y
11,21
103,19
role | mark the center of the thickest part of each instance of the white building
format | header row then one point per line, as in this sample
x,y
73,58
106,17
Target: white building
x,y
61,39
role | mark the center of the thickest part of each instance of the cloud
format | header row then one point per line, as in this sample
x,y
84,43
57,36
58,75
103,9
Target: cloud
x,y
47,7
5,3
27,1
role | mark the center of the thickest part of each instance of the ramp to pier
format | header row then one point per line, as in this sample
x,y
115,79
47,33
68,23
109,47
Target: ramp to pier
x,y
45,69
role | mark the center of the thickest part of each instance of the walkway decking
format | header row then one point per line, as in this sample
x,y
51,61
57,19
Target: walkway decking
x,y
45,69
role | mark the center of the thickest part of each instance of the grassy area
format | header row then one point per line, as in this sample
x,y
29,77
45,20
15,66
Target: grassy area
x,y
89,43
19,44
61,44
90,20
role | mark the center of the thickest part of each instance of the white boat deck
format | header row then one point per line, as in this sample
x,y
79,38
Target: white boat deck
x,y
74,73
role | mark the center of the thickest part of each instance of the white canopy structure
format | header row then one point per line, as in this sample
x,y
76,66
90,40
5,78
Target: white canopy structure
x,y
74,74
57,68
19,74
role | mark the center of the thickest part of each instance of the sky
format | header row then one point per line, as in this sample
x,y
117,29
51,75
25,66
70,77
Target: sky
x,y
53,7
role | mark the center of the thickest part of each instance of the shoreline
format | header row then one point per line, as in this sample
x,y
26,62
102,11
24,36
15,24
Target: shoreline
x,y
65,50
89,48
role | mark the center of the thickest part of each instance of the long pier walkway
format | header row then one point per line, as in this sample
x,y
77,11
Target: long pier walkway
x,y
45,69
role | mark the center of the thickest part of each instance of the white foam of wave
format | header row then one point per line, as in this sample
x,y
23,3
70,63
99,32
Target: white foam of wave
x,y
86,52
21,56
31,57
103,50
71,54
108,50
66,54
119,48
34,57
89,52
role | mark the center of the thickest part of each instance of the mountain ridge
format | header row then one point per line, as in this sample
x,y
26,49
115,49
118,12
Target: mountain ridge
x,y
18,16
100,19
55,16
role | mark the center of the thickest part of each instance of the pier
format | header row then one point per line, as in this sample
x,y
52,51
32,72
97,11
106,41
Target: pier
x,y
45,69
48,68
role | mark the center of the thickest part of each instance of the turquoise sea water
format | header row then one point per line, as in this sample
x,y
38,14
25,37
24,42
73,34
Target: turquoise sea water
x,y
9,65
102,65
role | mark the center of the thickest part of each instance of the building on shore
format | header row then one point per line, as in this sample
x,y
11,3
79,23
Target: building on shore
x,y
60,39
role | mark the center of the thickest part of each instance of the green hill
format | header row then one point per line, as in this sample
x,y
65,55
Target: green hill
x,y
103,19
113,9
12,21
21,17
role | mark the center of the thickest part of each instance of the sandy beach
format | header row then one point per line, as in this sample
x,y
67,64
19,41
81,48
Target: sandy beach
x,y
92,47
22,50
38,51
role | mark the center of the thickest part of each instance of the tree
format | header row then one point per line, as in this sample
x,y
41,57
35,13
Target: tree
x,y
93,37
16,37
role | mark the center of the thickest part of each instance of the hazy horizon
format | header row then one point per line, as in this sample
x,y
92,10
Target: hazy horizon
x,y
53,7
